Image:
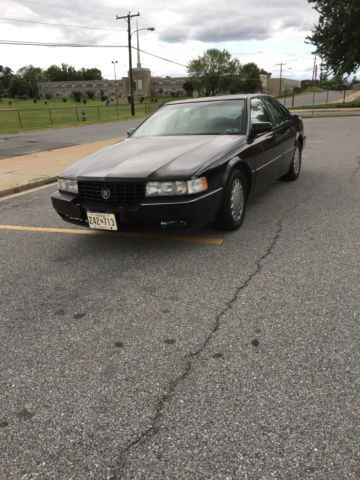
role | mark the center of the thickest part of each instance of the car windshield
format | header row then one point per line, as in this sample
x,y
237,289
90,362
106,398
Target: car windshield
x,y
199,118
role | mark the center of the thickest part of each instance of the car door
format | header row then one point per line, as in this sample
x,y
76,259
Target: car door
x,y
285,131
266,147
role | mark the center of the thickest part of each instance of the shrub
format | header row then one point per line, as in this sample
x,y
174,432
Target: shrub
x,y
76,96
142,99
48,96
35,101
64,100
84,100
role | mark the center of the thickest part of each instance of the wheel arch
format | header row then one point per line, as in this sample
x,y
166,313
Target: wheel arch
x,y
238,163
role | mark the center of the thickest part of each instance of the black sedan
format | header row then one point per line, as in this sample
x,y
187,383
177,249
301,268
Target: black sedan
x,y
193,161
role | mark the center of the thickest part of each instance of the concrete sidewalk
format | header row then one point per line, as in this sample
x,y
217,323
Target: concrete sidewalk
x,y
35,169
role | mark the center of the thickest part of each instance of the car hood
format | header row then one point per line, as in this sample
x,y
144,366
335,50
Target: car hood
x,y
155,157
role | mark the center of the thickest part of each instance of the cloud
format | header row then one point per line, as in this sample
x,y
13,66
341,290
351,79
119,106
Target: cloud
x,y
184,30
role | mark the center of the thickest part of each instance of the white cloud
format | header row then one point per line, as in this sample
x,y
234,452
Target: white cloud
x,y
183,31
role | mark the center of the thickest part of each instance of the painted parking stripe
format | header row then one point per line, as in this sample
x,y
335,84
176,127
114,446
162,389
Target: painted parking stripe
x,y
73,231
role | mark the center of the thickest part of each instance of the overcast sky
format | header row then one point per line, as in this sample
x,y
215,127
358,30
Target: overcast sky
x,y
266,32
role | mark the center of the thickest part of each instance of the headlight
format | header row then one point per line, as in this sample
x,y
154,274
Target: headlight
x,y
68,185
181,187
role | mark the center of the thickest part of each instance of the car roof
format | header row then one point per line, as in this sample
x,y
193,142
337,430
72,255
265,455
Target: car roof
x,y
242,96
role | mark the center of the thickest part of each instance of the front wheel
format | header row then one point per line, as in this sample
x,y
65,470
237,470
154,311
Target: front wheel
x,y
232,212
295,166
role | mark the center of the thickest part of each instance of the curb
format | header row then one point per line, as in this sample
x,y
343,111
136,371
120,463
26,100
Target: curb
x,y
28,186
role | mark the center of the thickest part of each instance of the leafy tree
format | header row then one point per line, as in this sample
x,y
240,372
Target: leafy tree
x,y
30,76
76,96
90,94
67,73
17,87
89,74
336,37
248,81
213,71
6,75
189,88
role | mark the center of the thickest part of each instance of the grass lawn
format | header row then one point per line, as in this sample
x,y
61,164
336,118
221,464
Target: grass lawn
x,y
24,115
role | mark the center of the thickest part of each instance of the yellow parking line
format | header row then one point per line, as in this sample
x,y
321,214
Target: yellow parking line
x,y
73,231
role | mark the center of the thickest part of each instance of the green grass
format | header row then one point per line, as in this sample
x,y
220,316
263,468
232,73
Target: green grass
x,y
25,115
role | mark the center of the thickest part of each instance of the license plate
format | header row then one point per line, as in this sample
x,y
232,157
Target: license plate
x,y
102,221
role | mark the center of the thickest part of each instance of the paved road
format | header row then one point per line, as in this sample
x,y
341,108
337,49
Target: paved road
x,y
319,98
12,145
131,357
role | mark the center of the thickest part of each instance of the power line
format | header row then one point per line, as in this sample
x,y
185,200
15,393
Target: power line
x,y
81,45
49,44
62,25
161,58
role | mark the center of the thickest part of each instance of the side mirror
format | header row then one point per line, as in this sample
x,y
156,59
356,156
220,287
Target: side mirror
x,y
261,127
130,131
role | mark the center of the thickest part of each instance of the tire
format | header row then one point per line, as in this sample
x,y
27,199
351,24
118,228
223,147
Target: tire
x,y
295,166
233,208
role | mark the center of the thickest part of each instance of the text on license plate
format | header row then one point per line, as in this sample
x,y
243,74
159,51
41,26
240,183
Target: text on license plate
x,y
102,221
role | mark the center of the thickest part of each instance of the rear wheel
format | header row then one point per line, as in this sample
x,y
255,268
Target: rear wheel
x,y
232,212
295,166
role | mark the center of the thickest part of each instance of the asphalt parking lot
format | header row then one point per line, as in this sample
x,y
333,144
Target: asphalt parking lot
x,y
188,354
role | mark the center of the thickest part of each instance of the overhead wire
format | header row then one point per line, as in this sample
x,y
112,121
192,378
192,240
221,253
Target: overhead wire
x,y
81,45
63,25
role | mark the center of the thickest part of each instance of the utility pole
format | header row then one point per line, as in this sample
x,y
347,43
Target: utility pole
x,y
128,18
281,65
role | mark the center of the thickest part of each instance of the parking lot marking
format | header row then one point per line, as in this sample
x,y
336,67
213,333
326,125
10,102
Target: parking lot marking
x,y
142,235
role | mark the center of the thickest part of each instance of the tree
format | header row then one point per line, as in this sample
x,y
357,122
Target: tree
x,y
213,71
90,94
67,73
30,76
6,75
76,96
249,80
89,74
336,37
17,87
189,88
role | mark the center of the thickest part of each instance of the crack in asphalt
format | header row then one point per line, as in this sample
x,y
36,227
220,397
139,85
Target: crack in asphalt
x,y
357,169
153,429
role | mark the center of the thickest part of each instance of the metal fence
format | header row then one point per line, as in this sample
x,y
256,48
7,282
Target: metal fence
x,y
48,117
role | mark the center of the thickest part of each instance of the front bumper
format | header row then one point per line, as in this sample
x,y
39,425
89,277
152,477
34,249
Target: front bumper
x,y
196,211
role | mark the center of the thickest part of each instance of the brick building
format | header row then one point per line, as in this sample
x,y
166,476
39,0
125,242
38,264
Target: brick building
x,y
144,86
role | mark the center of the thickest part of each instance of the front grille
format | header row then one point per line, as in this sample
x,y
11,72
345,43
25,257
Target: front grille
x,y
120,193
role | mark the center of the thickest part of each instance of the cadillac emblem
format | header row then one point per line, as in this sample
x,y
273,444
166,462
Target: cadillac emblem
x,y
105,193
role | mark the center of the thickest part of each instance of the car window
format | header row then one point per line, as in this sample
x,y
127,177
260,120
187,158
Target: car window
x,y
276,111
258,111
195,118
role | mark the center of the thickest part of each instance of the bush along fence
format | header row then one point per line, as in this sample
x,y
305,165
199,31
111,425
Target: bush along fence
x,y
49,117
